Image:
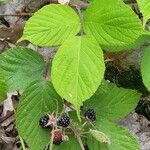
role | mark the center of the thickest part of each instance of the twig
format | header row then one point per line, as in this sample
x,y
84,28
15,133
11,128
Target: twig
x,y
9,114
15,15
81,143
78,136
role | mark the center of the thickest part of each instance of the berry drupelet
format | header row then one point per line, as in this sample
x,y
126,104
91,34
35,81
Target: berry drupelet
x,y
63,121
44,121
90,114
57,137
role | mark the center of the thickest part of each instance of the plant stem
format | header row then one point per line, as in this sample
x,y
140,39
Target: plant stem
x,y
47,67
22,143
51,141
78,136
81,143
92,125
81,20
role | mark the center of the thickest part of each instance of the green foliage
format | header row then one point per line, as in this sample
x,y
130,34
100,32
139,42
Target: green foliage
x,y
39,98
114,102
51,25
111,103
3,88
20,67
114,26
78,69
119,137
144,6
145,67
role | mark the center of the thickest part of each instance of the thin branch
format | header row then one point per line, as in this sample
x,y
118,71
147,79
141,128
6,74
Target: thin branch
x,y
81,143
16,15
78,136
9,114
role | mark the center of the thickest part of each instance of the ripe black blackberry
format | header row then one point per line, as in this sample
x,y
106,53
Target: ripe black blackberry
x,y
44,121
90,114
57,137
63,121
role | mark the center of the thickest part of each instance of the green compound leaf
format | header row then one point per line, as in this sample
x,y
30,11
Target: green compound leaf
x,y
144,6
38,99
77,69
112,102
51,25
114,26
21,66
100,136
3,88
145,67
72,144
120,138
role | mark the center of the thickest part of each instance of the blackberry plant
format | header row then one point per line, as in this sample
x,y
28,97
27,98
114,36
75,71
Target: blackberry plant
x,y
81,31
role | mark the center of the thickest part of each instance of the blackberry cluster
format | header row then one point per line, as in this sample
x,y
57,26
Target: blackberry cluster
x,y
63,121
44,121
57,137
90,114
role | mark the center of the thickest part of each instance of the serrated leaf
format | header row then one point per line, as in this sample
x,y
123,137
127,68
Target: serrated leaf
x,y
142,39
144,6
100,136
38,99
145,67
51,25
112,102
77,69
21,66
120,138
114,25
3,88
72,144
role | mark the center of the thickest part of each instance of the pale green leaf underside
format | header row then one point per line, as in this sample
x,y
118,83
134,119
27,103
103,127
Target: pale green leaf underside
x,y
144,6
51,25
72,144
21,66
3,87
112,102
38,99
145,67
77,69
114,25
119,137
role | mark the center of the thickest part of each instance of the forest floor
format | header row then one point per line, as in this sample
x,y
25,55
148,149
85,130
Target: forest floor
x,y
124,72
